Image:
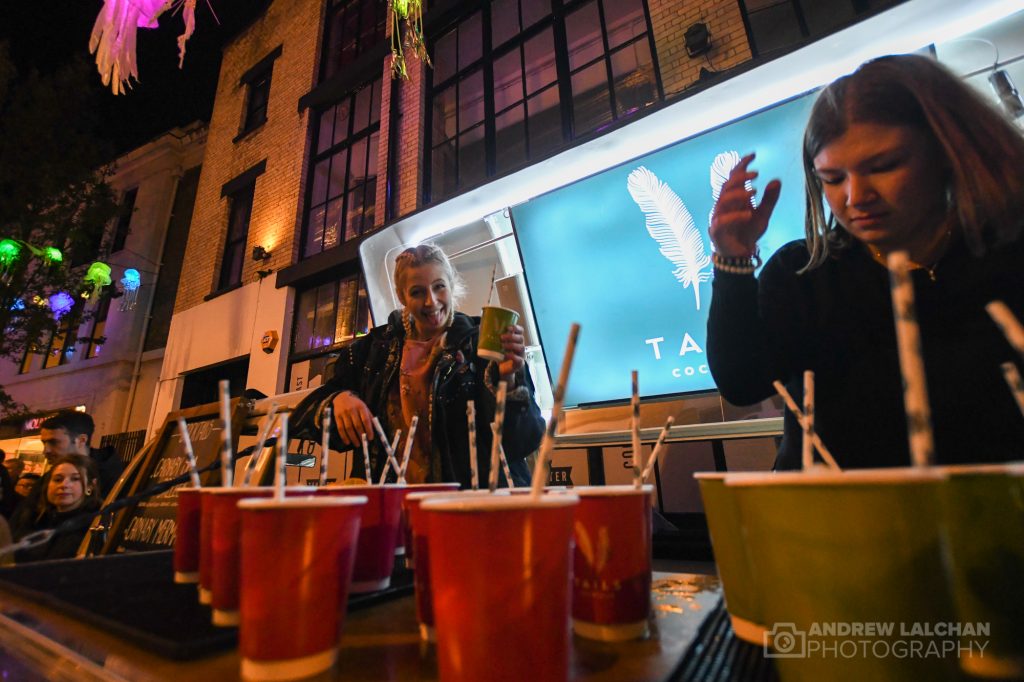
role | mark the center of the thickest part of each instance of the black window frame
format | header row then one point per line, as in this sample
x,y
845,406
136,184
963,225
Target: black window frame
x,y
860,9
334,57
97,329
257,83
353,138
235,240
122,228
555,22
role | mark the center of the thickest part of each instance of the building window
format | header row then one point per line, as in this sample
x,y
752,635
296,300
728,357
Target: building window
x,y
99,327
507,89
124,220
238,233
327,317
778,24
352,27
62,343
257,92
343,191
28,360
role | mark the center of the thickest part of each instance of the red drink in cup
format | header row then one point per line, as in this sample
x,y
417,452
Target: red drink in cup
x,y
225,533
375,557
611,599
404,541
297,559
186,537
500,575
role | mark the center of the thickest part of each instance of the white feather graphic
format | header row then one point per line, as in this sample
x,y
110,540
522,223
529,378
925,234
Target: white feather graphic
x,y
672,226
720,169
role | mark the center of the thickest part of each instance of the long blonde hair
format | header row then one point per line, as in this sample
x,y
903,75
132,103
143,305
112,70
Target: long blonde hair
x,y
983,151
423,254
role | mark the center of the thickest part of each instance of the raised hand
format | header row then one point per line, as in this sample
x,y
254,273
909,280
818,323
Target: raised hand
x,y
737,224
514,344
353,418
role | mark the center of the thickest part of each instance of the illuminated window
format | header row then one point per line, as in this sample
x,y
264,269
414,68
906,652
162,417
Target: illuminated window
x,y
343,180
514,82
99,326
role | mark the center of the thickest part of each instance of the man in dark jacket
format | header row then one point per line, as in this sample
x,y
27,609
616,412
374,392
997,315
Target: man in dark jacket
x,y
69,433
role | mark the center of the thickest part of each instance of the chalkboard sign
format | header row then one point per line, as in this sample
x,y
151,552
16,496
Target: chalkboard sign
x,y
149,525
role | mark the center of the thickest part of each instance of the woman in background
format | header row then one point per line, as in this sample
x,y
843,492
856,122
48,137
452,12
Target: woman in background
x,y
907,158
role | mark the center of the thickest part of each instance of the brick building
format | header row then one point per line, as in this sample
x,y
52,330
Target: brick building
x,y
314,151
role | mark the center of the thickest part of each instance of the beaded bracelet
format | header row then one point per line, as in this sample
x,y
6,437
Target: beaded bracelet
x,y
743,265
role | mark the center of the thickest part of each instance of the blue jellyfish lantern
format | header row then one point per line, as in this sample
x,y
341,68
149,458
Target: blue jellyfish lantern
x,y
130,283
61,304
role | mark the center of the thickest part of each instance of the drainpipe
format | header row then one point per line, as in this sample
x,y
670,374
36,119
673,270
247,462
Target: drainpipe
x,y
137,369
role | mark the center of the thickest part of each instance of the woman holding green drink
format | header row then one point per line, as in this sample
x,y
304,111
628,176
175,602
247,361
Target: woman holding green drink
x,y
907,158
424,363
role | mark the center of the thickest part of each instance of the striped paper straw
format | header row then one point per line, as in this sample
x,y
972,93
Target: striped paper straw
x,y
366,460
225,420
1008,323
807,444
261,442
1015,383
819,444
908,339
280,480
498,427
638,464
548,444
325,447
504,465
658,445
186,441
408,447
474,475
391,462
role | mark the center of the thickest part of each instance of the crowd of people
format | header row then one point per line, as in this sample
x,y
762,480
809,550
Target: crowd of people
x,y
76,476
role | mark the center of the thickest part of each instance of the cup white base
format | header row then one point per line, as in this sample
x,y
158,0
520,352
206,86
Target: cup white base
x,y
427,633
748,630
225,619
488,354
186,578
619,632
289,669
364,586
205,596
993,666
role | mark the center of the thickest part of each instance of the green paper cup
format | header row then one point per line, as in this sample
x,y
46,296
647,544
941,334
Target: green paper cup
x,y
850,573
984,512
731,559
492,326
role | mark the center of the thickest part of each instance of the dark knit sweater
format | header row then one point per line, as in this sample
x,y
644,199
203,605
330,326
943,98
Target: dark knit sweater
x,y
837,320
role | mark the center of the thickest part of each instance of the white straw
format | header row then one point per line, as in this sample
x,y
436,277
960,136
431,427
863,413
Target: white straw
x,y
186,441
498,429
1015,383
504,465
474,475
226,450
261,442
658,446
807,444
366,460
282,458
548,444
638,463
408,447
816,439
325,445
389,451
1011,327
908,339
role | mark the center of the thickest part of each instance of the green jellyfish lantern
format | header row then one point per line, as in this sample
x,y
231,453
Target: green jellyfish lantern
x,y
52,255
10,251
97,277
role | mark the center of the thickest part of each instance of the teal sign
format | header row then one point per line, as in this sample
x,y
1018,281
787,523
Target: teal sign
x,y
626,254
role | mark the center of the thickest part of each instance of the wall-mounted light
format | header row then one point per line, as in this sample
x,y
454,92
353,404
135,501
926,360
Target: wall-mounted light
x,y
259,253
697,39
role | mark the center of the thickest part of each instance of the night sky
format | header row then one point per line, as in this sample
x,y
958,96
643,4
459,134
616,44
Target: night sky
x,y
44,34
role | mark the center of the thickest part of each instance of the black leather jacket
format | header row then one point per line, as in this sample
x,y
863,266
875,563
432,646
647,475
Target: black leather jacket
x,y
369,366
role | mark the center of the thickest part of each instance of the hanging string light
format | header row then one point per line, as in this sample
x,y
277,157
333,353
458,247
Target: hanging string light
x,y
130,283
61,304
411,12
96,277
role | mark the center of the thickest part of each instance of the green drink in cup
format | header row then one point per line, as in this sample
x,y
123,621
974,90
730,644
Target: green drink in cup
x,y
492,325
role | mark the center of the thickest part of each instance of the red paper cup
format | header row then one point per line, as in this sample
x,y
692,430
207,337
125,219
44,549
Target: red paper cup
x,y
500,575
297,558
225,534
418,546
611,597
404,540
375,556
186,537
206,545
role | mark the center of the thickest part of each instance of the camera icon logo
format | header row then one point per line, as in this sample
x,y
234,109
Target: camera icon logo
x,y
784,640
